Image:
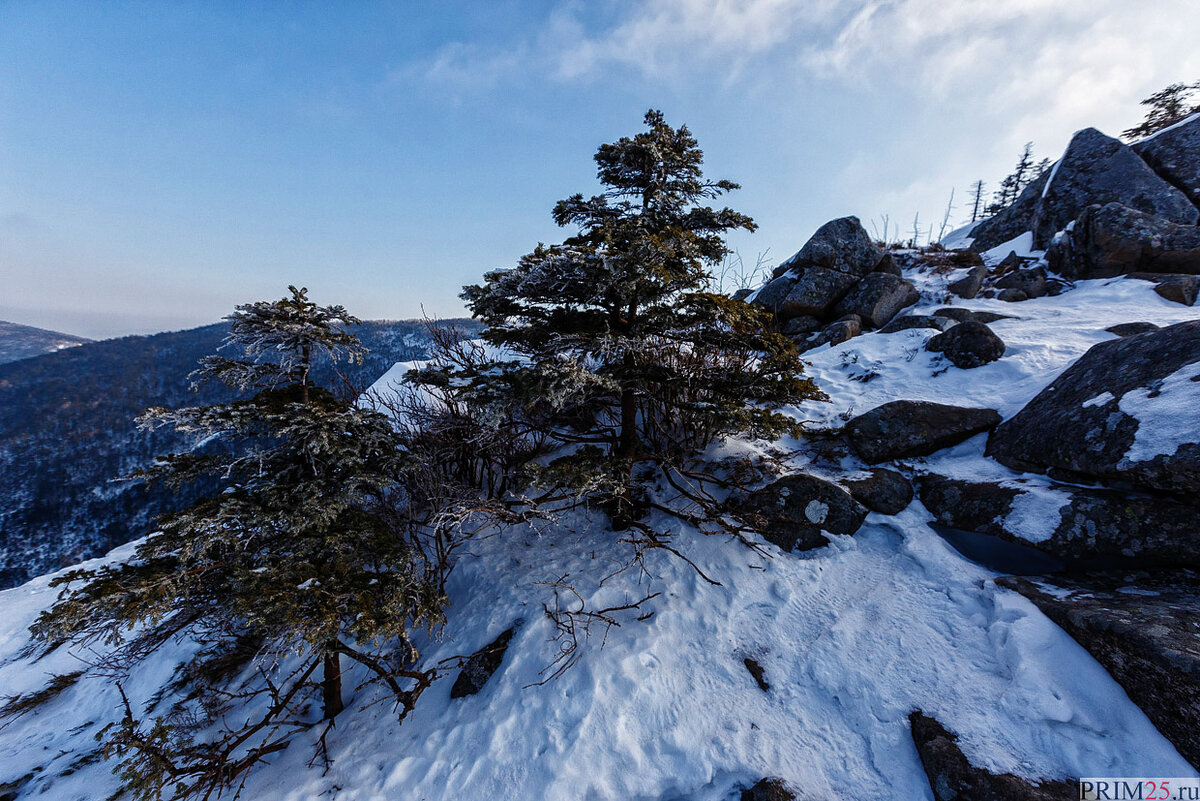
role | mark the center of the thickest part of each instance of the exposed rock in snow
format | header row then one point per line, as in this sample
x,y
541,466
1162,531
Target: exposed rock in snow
x,y
794,511
1156,371
1115,239
904,428
885,491
969,285
877,298
1174,153
482,664
968,344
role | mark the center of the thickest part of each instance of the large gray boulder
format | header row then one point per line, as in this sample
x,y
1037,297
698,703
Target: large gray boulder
x,y
1124,413
877,298
1115,239
842,245
906,428
1175,155
1095,169
1081,526
881,490
814,292
1142,629
794,511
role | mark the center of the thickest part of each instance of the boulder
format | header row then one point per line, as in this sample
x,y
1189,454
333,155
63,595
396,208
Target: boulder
x,y
990,317
877,298
771,295
1030,280
1082,527
967,345
916,321
1175,288
742,293
956,313
480,666
1131,329
1012,295
953,778
768,789
969,285
794,511
814,293
882,490
802,326
906,428
1123,413
1174,154
832,334
1094,169
842,245
1142,628
1115,239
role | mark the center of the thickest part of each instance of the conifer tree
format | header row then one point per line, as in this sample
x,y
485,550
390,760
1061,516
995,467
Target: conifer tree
x,y
620,349
291,563
976,200
1167,107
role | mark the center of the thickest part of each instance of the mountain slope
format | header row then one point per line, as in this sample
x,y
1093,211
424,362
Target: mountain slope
x,y
67,432
23,341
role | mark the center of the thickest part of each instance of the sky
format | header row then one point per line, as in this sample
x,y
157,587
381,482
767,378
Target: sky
x,y
161,162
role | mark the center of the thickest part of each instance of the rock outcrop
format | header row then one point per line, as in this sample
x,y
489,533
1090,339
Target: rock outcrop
x,y
838,273
1144,629
1115,239
968,344
1095,169
1085,528
882,490
906,428
1175,155
953,778
1117,415
794,511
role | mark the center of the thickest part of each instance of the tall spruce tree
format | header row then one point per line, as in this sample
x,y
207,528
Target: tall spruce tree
x,y
291,562
621,348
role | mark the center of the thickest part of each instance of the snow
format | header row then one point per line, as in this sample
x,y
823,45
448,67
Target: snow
x,y
1050,178
852,637
1166,414
1179,124
959,238
1099,400
1021,244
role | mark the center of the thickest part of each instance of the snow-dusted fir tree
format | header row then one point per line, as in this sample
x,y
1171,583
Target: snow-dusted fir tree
x,y
289,565
624,353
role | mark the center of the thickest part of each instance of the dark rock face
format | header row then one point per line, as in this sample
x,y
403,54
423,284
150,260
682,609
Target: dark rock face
x,y
1115,239
877,298
768,790
1090,527
916,321
887,264
956,313
1012,295
969,285
802,325
953,778
1145,630
884,491
905,428
1094,169
482,664
1175,155
1131,329
1030,280
814,292
1076,424
793,511
967,345
842,245
757,673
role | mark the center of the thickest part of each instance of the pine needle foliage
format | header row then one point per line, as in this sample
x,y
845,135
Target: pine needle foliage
x,y
621,349
1166,107
295,555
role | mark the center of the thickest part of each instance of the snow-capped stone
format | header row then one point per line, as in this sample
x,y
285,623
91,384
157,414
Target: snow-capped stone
x,y
969,285
1146,436
907,428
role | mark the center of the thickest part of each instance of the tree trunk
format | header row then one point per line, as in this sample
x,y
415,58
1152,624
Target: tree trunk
x,y
331,683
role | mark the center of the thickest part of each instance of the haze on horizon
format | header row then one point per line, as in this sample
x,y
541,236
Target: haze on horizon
x,y
160,163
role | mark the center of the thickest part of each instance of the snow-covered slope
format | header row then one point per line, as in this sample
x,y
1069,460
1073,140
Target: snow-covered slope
x,y
852,637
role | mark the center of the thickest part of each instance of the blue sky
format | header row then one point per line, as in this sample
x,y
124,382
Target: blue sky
x,y
161,162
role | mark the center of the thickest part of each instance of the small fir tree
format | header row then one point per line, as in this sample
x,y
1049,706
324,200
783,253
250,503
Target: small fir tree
x,y
1167,107
621,353
293,556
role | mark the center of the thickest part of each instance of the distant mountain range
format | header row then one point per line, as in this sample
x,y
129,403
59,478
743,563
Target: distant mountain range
x,y
22,341
67,432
